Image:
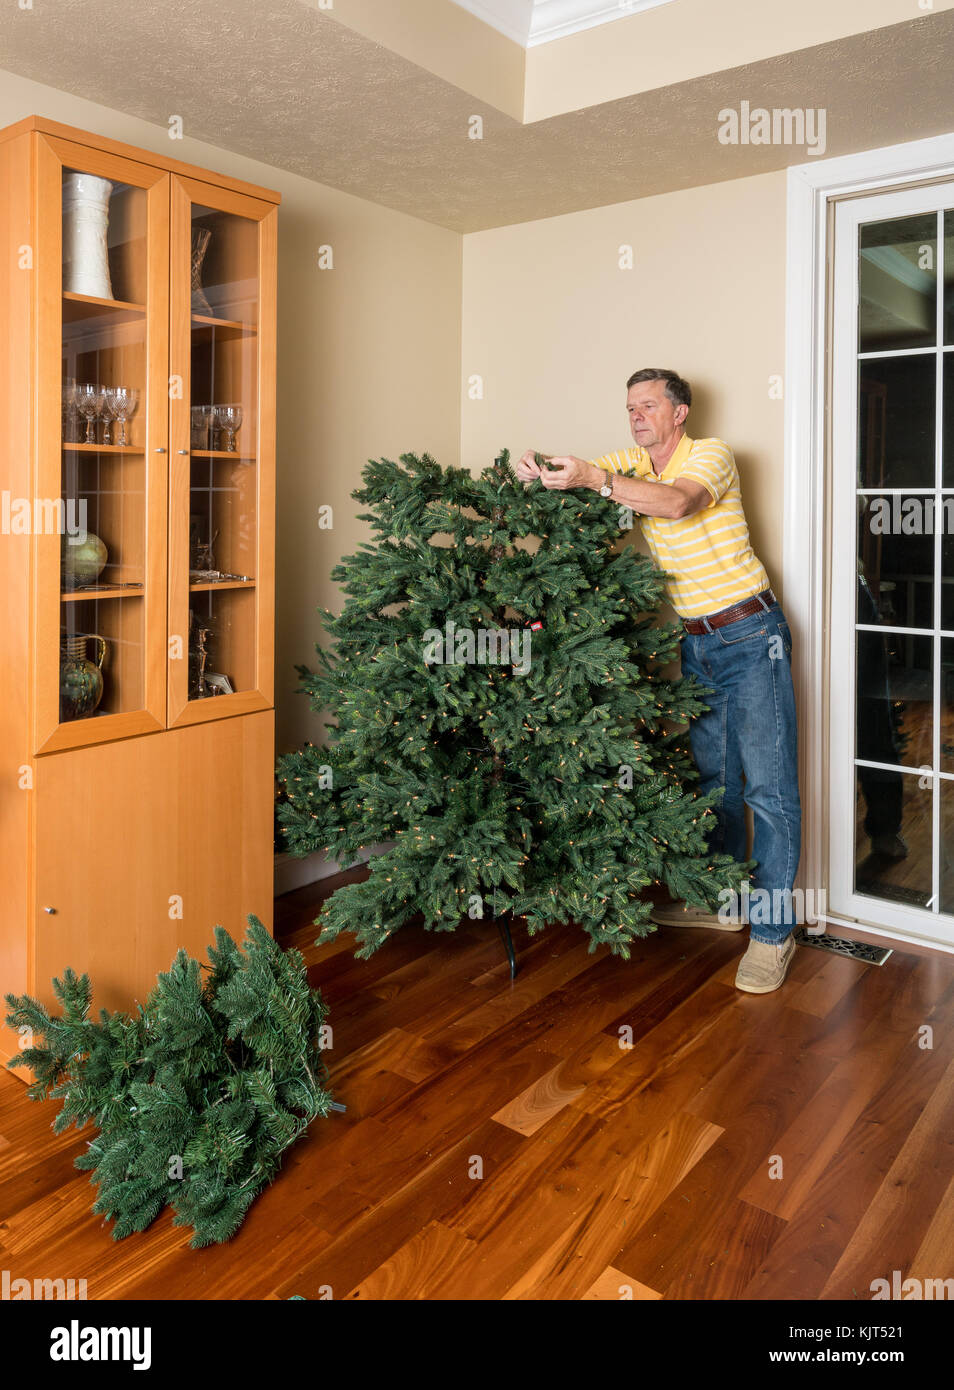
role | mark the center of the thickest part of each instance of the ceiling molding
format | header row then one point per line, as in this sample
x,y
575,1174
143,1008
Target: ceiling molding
x,y
532,22
556,19
510,17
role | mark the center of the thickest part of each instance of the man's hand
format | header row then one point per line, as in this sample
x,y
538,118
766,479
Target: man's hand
x,y
567,472
528,468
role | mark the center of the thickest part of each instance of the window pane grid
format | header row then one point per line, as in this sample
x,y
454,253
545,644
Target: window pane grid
x,y
904,616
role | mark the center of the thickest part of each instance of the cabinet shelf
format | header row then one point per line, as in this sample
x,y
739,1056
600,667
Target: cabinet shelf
x,y
86,304
203,325
101,449
222,584
106,591
236,457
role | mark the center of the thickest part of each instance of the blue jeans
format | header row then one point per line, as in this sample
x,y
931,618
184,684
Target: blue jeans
x,y
750,731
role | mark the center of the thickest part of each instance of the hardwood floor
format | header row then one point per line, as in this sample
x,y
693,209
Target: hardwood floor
x,y
499,1143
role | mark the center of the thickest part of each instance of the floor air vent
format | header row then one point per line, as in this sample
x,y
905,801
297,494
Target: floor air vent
x,y
858,950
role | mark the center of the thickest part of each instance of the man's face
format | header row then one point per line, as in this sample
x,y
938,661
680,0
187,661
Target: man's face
x,y
652,416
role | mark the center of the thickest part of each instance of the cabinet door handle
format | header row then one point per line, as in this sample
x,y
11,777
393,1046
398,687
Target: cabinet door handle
x,y
160,451
50,910
182,451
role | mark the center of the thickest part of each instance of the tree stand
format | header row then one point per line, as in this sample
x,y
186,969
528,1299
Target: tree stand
x,y
503,926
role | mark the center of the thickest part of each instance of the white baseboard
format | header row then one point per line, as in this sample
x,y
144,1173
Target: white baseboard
x,y
292,872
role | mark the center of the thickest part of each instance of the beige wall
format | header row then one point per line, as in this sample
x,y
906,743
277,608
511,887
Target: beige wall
x,y
368,360
554,327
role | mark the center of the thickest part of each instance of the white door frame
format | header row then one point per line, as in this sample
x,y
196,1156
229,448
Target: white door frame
x,y
813,188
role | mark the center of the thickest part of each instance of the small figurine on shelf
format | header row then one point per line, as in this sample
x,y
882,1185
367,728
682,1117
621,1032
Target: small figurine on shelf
x,y
218,684
199,634
201,554
202,557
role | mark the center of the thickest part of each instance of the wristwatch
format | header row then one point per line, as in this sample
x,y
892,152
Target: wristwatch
x,y
607,489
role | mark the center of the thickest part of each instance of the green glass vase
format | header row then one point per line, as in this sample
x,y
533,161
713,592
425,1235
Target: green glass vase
x,y
81,680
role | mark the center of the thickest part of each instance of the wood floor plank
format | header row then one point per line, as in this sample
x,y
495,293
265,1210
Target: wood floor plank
x,y
375,1232
613,1285
829,984
902,1211
611,996
414,1057
567,1269
506,1001
368,1091
722,1257
818,1234
435,1116
565,1228
533,1107
934,1257
46,1171
273,1248
703,1241
671,1065
418,1269
673,980
819,1130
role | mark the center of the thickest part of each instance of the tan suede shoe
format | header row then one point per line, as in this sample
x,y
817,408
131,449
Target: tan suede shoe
x,y
764,967
688,915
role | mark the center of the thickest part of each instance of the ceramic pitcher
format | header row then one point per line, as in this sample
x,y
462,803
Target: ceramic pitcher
x,y
81,680
85,220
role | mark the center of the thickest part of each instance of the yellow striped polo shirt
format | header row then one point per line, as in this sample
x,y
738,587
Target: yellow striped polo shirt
x,y
708,554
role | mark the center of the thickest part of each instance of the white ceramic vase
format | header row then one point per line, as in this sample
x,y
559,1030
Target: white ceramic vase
x,y
85,220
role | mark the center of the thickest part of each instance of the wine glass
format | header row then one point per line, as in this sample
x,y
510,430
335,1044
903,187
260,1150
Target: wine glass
x,y
87,398
230,420
211,425
125,401
70,411
199,437
104,410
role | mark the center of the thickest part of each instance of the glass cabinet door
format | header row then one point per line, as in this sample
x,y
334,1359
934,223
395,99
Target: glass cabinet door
x,y
222,465
102,484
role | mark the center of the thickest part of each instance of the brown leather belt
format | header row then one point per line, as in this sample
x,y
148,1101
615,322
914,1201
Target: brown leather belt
x,y
730,615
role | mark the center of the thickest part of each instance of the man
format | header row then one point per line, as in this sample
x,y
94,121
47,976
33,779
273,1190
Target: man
x,y
736,642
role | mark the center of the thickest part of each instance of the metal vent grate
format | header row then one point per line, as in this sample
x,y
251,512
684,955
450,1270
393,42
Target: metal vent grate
x,y
858,950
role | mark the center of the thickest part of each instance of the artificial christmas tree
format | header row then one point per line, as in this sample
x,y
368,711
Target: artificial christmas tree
x,y
501,718
197,1097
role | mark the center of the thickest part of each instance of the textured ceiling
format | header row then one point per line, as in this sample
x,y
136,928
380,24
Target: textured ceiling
x,y
283,83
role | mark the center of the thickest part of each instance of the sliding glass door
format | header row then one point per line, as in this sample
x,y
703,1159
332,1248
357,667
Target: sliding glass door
x,y
891,692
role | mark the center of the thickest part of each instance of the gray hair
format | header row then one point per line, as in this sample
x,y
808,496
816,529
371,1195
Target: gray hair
x,y
677,389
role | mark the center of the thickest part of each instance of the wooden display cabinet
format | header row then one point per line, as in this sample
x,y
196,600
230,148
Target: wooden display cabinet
x,y
136,560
